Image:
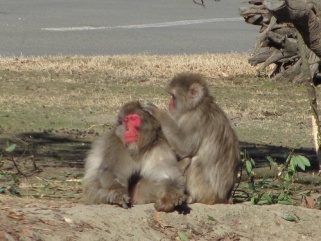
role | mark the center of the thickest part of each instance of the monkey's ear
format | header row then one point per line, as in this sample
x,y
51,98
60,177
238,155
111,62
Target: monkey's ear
x,y
196,92
119,120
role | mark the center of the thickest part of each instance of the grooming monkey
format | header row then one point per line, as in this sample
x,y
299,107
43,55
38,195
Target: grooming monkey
x,y
199,131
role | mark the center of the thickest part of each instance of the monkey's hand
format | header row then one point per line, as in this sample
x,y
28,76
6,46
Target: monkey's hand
x,y
151,109
119,196
184,163
167,201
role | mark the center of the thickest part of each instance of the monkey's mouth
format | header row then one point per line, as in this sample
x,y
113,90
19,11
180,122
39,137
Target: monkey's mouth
x,y
130,138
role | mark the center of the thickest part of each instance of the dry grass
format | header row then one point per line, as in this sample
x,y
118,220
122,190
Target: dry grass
x,y
152,67
78,91
106,71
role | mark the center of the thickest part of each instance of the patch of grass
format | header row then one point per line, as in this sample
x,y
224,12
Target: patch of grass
x,y
79,92
79,97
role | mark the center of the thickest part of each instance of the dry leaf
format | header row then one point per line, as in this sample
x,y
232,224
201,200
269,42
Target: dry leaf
x,y
2,234
158,220
68,220
5,207
224,74
309,202
16,216
26,232
49,222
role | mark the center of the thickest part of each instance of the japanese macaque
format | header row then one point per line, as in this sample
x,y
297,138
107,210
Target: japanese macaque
x,y
197,128
133,164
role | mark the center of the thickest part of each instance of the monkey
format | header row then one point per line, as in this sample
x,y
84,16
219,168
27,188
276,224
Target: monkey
x,y
197,128
133,164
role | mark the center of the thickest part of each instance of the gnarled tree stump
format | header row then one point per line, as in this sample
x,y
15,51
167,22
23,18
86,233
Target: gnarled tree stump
x,y
289,39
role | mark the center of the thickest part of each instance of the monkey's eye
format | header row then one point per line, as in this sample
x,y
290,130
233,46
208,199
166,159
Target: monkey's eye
x,y
131,120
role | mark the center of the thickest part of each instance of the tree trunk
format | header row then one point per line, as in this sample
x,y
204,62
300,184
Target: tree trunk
x,y
304,19
291,33
302,15
277,41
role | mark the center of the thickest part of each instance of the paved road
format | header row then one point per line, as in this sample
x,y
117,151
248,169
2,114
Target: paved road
x,y
53,27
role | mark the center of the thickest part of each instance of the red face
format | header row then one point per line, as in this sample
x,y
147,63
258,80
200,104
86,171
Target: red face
x,y
131,122
171,104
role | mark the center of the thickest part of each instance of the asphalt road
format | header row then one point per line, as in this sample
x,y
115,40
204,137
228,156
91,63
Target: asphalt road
x,y
91,27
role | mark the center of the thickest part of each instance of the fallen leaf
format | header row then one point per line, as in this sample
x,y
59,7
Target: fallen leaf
x,y
289,218
309,202
224,74
49,222
16,216
2,234
68,220
26,232
182,236
5,207
157,219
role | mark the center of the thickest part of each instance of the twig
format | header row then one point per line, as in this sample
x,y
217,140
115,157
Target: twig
x,y
36,169
92,126
2,131
238,182
241,191
202,3
16,166
48,196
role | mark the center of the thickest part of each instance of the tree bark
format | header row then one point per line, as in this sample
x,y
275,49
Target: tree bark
x,y
312,96
302,15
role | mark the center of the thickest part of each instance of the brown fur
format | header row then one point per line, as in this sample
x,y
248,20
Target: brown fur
x,y
198,128
142,172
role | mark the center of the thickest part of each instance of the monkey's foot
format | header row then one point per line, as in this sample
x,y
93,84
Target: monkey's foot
x,y
168,201
119,197
189,200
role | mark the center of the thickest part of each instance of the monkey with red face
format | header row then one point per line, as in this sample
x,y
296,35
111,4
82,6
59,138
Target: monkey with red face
x,y
197,128
133,164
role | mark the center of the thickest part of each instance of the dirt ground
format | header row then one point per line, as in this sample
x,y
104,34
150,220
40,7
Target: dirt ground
x,y
52,108
28,219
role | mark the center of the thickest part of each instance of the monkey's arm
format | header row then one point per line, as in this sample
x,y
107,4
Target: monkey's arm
x,y
105,177
176,137
116,190
115,171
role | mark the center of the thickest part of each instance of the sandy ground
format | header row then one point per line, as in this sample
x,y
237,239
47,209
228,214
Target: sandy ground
x,y
32,219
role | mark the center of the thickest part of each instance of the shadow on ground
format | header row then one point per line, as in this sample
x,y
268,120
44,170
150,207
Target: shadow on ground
x,y
52,149
68,149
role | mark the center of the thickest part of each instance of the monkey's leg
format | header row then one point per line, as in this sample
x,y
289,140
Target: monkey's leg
x,y
170,194
166,194
115,191
143,192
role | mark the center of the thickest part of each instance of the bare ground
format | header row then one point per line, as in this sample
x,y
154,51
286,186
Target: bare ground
x,y
29,219
53,107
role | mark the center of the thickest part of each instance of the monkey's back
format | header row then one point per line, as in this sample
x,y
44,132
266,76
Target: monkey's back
x,y
212,174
